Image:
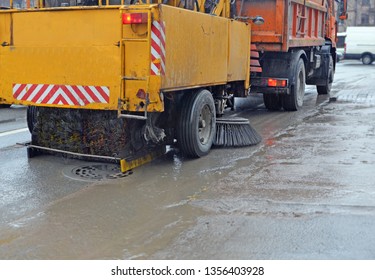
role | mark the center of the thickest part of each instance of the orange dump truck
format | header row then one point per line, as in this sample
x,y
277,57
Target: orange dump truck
x,y
296,45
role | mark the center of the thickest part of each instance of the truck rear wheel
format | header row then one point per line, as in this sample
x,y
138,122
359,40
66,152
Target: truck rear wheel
x,y
197,124
326,89
272,102
294,100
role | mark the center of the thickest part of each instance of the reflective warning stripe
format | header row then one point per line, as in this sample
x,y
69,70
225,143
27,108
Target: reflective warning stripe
x,y
157,48
61,94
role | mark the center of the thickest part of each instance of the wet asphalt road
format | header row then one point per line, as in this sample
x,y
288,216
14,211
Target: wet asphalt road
x,y
306,192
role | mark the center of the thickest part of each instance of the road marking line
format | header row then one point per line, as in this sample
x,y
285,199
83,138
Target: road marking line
x,y
6,133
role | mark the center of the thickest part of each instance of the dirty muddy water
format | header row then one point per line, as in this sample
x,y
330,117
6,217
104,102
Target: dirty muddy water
x,y
306,192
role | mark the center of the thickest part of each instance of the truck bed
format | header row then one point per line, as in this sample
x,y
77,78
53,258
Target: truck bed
x,y
288,23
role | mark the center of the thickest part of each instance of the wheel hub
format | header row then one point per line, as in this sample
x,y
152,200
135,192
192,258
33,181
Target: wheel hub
x,y
204,129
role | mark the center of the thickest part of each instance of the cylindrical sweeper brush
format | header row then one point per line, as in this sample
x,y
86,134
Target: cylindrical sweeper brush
x,y
235,132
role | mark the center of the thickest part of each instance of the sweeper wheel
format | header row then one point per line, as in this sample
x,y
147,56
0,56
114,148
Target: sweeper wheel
x,y
197,124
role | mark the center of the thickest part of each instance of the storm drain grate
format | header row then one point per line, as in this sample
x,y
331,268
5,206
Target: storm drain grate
x,y
98,172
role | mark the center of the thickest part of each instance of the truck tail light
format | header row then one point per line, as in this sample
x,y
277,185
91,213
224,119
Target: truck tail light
x,y
134,18
276,83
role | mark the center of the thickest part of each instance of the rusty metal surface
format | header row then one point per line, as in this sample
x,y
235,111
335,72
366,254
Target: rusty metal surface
x,y
290,23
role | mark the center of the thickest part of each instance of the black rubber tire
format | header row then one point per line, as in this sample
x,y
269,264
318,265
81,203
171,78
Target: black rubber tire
x,y
195,136
272,102
31,115
367,59
294,100
326,89
5,105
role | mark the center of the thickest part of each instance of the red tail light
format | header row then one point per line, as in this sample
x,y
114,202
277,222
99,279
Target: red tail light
x,y
134,18
276,83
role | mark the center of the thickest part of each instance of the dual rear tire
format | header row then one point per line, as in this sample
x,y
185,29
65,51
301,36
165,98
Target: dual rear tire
x,y
326,89
294,100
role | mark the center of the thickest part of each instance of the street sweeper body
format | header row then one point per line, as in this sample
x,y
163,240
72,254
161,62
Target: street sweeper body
x,y
120,82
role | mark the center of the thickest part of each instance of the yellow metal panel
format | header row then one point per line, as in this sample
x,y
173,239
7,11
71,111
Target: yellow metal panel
x,y
91,47
137,63
74,27
74,66
136,60
239,52
5,98
5,22
128,164
196,48
63,47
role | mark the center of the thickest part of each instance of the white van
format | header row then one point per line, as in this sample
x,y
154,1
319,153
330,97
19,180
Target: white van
x,y
360,43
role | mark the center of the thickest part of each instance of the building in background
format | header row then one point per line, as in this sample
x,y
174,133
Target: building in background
x,y
360,13
18,4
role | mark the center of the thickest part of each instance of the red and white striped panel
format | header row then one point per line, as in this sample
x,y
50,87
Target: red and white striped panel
x,y
158,48
61,94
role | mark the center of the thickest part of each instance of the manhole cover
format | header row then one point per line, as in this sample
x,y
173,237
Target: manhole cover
x,y
96,172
